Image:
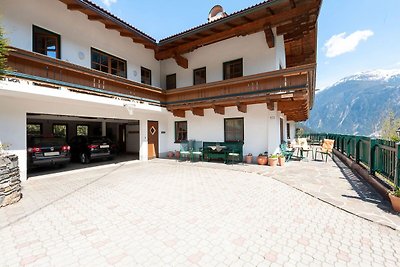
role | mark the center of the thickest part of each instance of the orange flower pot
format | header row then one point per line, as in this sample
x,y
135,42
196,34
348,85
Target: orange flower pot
x,y
272,162
395,202
262,160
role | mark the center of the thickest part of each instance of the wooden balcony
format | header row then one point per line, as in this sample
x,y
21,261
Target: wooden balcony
x,y
56,73
292,89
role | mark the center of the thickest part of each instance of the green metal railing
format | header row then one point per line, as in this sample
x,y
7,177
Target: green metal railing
x,y
376,155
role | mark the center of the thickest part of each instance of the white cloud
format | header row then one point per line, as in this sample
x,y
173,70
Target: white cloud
x,y
340,43
108,2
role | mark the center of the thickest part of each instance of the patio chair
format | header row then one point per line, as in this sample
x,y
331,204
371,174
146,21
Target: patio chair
x,y
197,151
184,151
304,147
286,152
326,149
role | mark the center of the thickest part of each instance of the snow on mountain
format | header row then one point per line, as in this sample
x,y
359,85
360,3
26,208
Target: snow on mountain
x,y
374,75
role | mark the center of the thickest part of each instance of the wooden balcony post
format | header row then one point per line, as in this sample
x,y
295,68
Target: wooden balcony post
x,y
397,164
357,150
372,146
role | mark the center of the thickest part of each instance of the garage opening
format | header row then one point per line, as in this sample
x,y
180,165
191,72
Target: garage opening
x,y
71,142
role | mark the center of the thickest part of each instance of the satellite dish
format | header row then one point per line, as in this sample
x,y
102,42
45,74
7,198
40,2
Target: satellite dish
x,y
216,12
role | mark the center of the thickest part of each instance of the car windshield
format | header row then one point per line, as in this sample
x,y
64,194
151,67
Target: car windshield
x,y
47,141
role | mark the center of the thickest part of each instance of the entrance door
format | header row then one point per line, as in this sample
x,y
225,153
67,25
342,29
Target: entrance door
x,y
122,138
152,133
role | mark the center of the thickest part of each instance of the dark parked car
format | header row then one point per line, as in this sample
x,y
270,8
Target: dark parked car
x,y
47,151
86,148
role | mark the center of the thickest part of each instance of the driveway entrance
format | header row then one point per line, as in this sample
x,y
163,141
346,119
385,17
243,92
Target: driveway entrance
x,y
165,213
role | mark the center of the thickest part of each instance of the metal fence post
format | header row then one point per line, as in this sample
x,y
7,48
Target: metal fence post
x,y
372,147
357,150
396,166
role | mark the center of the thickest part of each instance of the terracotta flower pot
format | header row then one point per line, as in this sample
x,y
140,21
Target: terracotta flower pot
x,y
272,162
281,161
395,202
170,154
249,159
177,154
262,160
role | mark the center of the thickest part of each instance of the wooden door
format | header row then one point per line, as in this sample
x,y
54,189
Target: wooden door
x,y
152,139
122,138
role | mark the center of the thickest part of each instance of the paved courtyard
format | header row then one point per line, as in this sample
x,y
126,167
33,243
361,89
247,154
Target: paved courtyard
x,y
167,213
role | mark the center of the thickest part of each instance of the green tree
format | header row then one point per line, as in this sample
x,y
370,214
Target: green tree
x,y
3,51
390,125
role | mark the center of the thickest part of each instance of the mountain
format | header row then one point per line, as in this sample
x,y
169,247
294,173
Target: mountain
x,y
357,104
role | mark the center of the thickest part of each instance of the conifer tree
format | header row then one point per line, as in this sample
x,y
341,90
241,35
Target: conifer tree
x,y
3,51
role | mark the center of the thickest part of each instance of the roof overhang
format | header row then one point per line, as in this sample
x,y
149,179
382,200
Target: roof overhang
x,y
296,20
110,21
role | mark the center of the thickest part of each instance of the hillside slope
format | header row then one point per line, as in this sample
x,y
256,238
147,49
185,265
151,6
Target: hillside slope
x,y
357,104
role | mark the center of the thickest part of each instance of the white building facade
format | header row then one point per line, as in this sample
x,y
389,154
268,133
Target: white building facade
x,y
80,64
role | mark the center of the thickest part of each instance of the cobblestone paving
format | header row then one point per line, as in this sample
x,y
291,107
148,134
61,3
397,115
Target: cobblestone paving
x,y
171,214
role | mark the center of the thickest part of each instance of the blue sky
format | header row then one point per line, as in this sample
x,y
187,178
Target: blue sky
x,y
353,35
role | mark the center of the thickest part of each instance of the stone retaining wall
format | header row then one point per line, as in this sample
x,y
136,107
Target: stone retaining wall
x,y
10,183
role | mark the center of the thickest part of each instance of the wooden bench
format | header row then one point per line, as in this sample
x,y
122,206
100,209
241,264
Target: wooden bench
x,y
223,150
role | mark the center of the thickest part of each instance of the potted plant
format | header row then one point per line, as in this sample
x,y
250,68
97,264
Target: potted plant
x,y
262,159
281,160
273,160
249,158
177,154
395,198
170,154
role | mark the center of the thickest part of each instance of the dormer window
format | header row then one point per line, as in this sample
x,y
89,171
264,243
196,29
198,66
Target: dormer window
x,y
46,42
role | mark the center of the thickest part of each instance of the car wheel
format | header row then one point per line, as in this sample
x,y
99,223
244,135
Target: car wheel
x,y
84,158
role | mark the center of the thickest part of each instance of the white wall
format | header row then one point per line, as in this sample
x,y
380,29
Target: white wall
x,y
78,34
18,99
280,51
13,130
257,58
260,126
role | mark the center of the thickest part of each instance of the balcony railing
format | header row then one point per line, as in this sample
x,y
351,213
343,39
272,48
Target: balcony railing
x,y
283,86
46,70
377,155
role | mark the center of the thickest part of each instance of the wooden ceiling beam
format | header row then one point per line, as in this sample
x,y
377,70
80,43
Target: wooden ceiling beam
x,y
269,37
293,27
247,19
75,7
219,109
241,107
230,25
270,105
270,11
254,26
292,4
179,113
181,61
95,17
112,27
198,111
127,34
215,30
